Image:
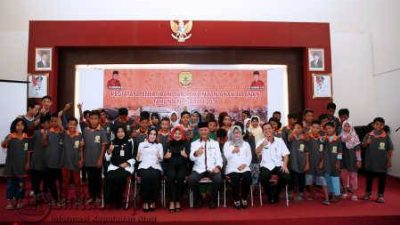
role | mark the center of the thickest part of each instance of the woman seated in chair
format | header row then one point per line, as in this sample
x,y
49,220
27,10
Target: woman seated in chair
x,y
176,156
150,154
238,155
120,169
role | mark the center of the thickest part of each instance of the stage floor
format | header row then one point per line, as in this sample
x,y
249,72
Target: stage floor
x,y
305,212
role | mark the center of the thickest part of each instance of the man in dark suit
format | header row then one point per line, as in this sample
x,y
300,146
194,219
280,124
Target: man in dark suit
x,y
44,60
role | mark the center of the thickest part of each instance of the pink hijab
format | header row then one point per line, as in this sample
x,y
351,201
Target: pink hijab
x,y
351,138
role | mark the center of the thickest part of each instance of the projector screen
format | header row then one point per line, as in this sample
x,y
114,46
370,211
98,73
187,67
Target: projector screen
x,y
14,99
176,87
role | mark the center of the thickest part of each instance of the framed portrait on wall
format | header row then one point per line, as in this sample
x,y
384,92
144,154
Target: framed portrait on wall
x,y
316,60
322,85
38,85
43,59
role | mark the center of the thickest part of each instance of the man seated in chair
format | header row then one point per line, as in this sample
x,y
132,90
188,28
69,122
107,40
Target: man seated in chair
x,y
206,156
274,172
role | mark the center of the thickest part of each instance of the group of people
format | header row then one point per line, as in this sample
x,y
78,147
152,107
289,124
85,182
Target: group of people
x,y
307,155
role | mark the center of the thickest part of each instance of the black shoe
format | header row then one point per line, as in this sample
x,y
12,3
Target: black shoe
x,y
212,205
244,204
198,205
236,205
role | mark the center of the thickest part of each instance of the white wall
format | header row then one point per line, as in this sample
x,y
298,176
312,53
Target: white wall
x,y
365,34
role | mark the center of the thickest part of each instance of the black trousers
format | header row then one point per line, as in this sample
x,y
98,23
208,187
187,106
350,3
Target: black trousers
x,y
194,184
273,191
150,184
240,181
297,181
176,171
52,177
381,181
38,180
115,185
94,181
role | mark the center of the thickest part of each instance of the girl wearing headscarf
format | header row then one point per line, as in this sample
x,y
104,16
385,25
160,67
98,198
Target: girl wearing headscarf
x,y
176,157
351,160
150,154
174,117
121,167
238,155
255,128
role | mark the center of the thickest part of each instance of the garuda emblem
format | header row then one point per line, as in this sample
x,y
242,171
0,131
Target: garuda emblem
x,y
181,30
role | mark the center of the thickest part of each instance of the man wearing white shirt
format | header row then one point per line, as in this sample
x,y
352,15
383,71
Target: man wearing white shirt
x,y
274,161
206,156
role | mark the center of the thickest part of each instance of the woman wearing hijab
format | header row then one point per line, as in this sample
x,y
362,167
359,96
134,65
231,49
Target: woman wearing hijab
x,y
121,167
174,117
150,155
238,155
255,128
176,157
351,160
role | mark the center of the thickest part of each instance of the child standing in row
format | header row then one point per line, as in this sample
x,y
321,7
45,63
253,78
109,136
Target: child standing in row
x,y
72,160
17,163
53,149
315,175
351,160
378,156
298,160
95,140
332,158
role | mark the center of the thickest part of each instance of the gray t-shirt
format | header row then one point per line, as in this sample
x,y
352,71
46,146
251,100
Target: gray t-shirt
x,y
54,150
315,149
72,148
376,153
298,149
331,151
93,139
39,152
349,158
16,157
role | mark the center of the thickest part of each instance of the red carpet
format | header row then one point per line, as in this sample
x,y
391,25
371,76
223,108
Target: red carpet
x,y
306,212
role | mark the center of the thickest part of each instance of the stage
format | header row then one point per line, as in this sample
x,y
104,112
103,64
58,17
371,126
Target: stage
x,y
305,212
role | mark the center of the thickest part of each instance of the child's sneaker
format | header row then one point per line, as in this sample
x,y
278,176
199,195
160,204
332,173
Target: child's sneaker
x,y
380,199
354,198
344,196
367,197
20,205
236,204
90,201
299,197
326,202
10,205
335,199
244,204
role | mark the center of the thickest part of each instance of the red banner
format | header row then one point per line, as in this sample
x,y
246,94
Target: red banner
x,y
172,89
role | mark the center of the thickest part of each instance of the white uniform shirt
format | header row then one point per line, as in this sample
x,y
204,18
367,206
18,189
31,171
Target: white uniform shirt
x,y
150,155
212,153
273,153
234,160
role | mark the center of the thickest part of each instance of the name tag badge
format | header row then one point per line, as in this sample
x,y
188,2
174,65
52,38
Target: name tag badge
x,y
301,148
108,129
334,149
122,153
128,127
97,139
76,144
382,146
26,145
321,147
